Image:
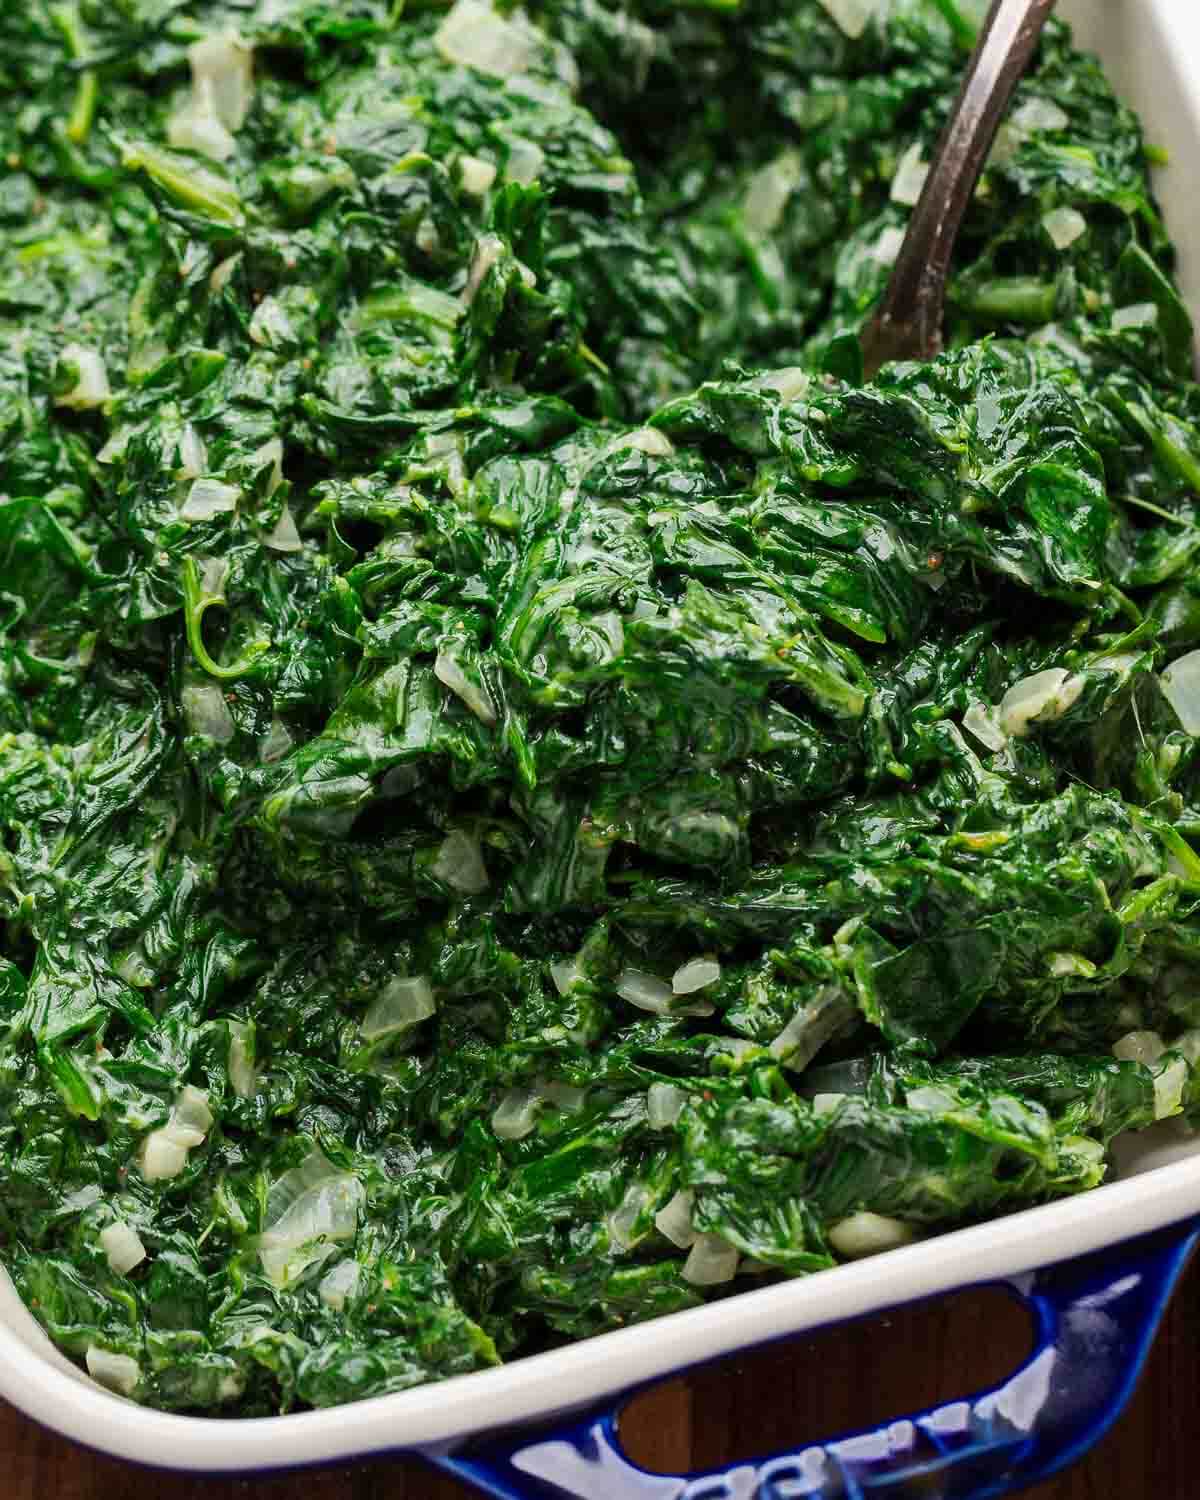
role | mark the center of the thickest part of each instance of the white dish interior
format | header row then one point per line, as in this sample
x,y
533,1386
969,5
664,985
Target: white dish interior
x,y
1152,49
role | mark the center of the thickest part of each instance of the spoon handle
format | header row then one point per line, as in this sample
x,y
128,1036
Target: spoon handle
x,y
908,323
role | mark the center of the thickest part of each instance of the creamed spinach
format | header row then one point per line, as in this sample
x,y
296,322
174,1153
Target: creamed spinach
x,y
530,794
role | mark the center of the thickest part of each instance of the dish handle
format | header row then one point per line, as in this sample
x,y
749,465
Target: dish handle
x,y
1094,1321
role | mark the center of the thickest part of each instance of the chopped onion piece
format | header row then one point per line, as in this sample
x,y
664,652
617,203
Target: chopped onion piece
x,y
711,1261
1169,1080
1064,226
516,1114
271,453
184,1133
340,1284
270,327
1181,688
1188,1045
608,634
449,444
243,1075
768,191
887,246
313,1222
92,388
980,720
811,1027
564,1096
674,1219
164,1151
474,36
525,161
664,1104
85,1196
116,445
122,1246
226,62
299,1196
1068,965
222,88
623,1219
193,455
827,1104
1145,1047
851,15
427,239
1004,148
208,498
930,1100
477,699
789,383
191,1115
284,537
645,991
161,1157
565,974
489,248
1043,696
477,175
214,574
206,712
197,127
116,1372
459,863
737,1047
1039,114
402,1004
1136,315
696,974
646,440
1082,1145
221,273
295,1182
275,743
909,181
867,1234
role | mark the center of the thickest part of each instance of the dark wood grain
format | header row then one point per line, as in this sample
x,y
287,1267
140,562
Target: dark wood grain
x,y
792,1393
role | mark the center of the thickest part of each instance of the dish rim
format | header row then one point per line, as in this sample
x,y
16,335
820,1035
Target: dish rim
x,y
539,1388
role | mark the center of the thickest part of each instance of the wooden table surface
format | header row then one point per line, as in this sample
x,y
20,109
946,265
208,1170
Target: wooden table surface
x,y
787,1396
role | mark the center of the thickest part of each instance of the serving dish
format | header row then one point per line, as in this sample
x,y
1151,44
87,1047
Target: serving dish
x,y
1095,1271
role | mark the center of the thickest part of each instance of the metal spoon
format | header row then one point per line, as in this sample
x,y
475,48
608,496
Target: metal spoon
x,y
908,323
